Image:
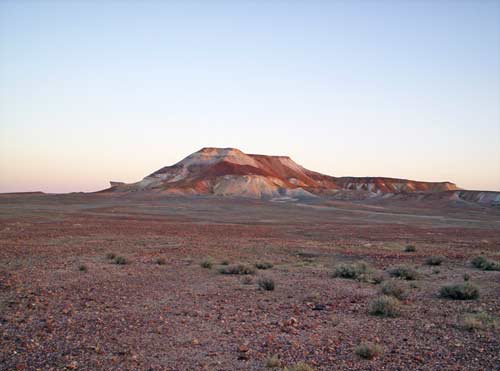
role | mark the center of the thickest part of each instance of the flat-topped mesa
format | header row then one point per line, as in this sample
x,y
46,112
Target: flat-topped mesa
x,y
229,171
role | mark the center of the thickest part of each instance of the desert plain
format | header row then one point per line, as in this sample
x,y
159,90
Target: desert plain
x,y
106,282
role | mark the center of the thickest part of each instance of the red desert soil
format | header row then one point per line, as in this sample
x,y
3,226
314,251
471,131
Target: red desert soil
x,y
181,316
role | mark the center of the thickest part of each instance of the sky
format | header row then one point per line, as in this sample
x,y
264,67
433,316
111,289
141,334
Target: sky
x,y
93,91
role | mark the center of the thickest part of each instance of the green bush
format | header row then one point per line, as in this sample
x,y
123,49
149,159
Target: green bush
x,y
266,284
384,306
273,362
82,268
359,271
263,265
460,291
120,260
395,289
403,272
434,260
410,248
484,264
206,263
110,255
377,277
237,269
300,366
478,321
367,350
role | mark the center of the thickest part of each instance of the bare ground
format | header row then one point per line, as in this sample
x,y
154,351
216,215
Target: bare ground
x,y
180,316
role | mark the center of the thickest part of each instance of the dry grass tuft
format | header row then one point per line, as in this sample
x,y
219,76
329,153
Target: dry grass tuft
x,y
368,350
384,306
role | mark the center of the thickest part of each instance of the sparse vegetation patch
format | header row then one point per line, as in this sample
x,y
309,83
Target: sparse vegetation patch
x,y
404,272
300,366
368,350
478,321
434,260
266,284
120,260
485,264
384,306
206,263
460,291
237,269
410,248
264,265
356,271
394,289
273,362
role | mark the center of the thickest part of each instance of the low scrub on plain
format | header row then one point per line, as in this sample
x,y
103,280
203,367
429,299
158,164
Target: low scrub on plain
x,y
485,264
394,289
110,255
410,248
264,265
82,268
273,362
434,260
478,321
404,272
207,263
377,277
460,291
266,284
120,260
237,269
368,350
356,271
384,306
300,366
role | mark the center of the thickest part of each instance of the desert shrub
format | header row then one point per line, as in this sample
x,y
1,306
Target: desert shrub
x,y
395,289
300,366
247,280
484,264
120,260
410,248
478,321
367,350
266,284
110,255
82,268
263,265
237,269
206,263
384,306
466,277
404,272
160,261
434,260
224,262
377,277
460,291
273,362
358,271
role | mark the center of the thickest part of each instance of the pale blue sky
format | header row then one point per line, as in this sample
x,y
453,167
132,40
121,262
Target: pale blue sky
x,y
93,91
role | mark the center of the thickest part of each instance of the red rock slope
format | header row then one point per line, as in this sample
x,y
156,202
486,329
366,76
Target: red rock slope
x,y
230,172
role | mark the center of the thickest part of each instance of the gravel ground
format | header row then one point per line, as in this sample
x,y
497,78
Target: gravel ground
x,y
65,305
